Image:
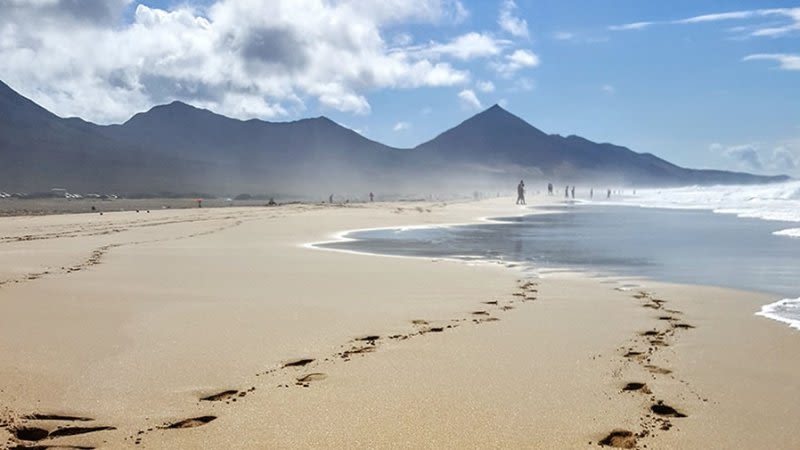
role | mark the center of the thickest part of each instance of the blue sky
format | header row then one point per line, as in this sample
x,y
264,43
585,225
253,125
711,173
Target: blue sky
x,y
700,83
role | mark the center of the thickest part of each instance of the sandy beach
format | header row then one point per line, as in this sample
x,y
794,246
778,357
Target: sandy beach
x,y
220,328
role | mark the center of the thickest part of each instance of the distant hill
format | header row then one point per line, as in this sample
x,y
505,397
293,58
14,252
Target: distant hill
x,y
39,151
495,137
180,148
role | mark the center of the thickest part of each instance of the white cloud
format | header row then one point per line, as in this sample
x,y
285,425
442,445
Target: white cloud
x,y
510,23
782,157
469,99
400,126
768,29
609,89
403,39
515,61
563,36
242,58
523,85
485,86
786,61
785,158
465,47
746,155
631,26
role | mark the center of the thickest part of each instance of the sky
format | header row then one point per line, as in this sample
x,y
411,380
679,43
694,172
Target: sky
x,y
702,83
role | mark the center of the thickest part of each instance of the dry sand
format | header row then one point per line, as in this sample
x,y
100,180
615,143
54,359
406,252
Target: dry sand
x,y
130,320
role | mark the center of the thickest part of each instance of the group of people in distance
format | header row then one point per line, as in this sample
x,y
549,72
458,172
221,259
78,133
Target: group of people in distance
x,y
371,198
569,192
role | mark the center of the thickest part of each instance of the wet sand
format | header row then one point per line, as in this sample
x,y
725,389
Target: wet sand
x,y
216,328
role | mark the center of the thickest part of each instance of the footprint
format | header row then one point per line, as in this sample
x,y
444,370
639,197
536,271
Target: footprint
x,y
433,330
38,416
369,338
649,333
311,377
489,319
619,439
632,354
73,431
685,326
51,447
493,302
419,322
357,351
665,410
299,362
224,395
658,370
30,433
480,313
634,386
191,423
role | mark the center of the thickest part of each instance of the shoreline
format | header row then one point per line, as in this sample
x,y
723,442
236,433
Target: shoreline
x,y
766,310
462,356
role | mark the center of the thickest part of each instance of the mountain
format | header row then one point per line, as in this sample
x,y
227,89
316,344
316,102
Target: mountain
x,y
40,150
495,137
181,148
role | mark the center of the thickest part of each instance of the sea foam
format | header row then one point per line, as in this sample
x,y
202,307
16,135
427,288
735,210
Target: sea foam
x,y
786,311
776,202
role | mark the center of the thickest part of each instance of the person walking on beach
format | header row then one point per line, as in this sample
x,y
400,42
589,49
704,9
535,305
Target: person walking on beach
x,y
371,197
591,193
573,191
566,192
549,188
330,199
608,194
521,193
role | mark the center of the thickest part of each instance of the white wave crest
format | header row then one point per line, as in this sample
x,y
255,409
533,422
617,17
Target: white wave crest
x,y
786,311
791,232
777,202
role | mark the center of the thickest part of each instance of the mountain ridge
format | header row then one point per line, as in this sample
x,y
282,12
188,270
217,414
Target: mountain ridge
x,y
180,147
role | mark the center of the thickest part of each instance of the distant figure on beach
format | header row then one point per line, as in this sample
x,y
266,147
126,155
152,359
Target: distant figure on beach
x,y
199,202
608,194
591,193
271,202
521,193
330,199
371,197
549,188
573,191
566,192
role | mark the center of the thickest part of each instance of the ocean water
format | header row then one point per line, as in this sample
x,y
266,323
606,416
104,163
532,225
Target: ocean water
x,y
742,237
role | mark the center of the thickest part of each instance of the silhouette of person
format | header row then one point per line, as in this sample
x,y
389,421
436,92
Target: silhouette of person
x,y
608,194
330,199
573,191
591,193
371,196
566,192
521,193
549,188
